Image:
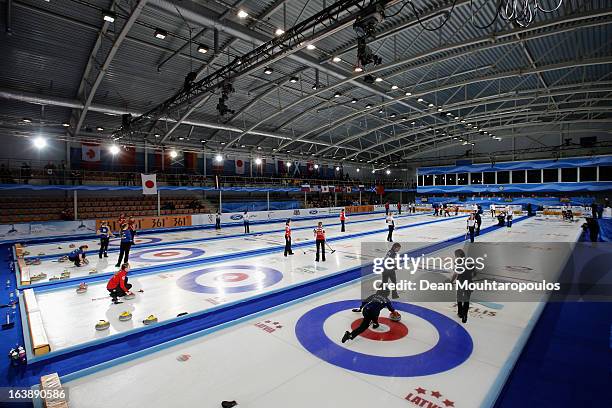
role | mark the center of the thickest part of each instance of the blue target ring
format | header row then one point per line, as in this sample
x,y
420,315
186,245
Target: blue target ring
x,y
453,348
189,281
193,253
139,241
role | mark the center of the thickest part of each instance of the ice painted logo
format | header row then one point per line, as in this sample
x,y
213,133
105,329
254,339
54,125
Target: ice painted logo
x,y
422,397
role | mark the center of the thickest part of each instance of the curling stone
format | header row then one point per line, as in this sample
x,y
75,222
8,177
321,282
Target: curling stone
x,y
129,297
125,316
102,325
71,246
395,316
82,288
150,320
54,278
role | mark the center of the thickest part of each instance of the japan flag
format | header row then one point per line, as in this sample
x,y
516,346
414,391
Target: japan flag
x,y
149,183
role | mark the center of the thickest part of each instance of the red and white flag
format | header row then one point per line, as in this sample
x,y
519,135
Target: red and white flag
x,y
239,166
149,183
90,152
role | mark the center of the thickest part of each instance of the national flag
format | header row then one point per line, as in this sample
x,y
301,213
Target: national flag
x,y
325,189
149,183
90,152
349,189
310,167
306,188
239,166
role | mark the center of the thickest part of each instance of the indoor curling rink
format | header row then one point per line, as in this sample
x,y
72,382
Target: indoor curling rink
x,y
291,355
164,248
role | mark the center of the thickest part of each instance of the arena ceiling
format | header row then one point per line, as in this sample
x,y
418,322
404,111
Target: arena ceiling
x,y
457,75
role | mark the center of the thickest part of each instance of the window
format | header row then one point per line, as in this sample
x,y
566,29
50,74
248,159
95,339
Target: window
x,y
462,179
503,177
518,176
451,179
439,179
605,173
420,180
551,175
588,174
569,175
428,180
534,176
488,177
476,178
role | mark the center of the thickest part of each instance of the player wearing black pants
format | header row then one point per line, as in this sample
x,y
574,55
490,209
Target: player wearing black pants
x,y
127,240
78,256
105,233
370,309
389,274
288,250
218,221
319,235
463,295
391,224
245,218
118,285
478,219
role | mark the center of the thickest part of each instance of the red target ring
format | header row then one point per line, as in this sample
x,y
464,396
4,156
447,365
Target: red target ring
x,y
232,277
397,330
166,254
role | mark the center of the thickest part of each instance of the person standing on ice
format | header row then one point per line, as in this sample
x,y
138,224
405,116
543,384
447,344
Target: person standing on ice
x,y
288,250
245,218
389,273
127,240
465,274
391,224
387,208
342,220
319,235
471,226
105,234
370,308
118,285
218,221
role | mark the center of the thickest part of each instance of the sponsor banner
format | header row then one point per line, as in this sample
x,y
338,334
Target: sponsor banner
x,y
359,209
25,231
142,223
259,216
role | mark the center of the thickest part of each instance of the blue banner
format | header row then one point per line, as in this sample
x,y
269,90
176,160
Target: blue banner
x,y
517,188
520,165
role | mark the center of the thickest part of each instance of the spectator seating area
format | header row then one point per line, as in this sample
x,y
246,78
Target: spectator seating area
x,y
29,209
